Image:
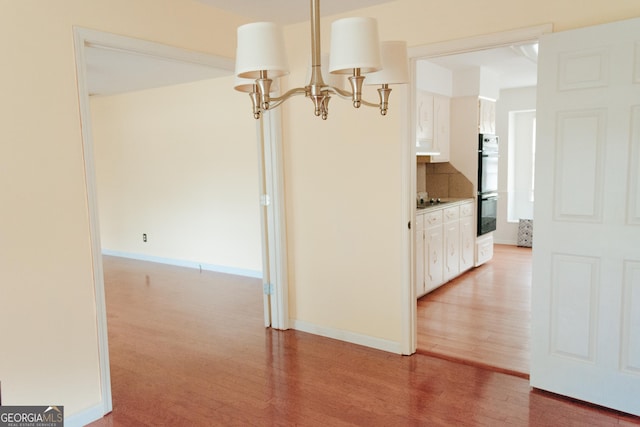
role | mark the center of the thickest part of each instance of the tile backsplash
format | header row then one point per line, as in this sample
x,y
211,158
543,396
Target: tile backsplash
x,y
442,180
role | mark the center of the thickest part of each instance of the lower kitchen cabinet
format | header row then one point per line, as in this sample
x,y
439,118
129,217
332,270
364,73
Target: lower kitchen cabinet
x,y
484,249
467,237
451,242
420,275
433,251
445,244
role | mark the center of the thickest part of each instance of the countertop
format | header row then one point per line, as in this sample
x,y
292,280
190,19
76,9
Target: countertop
x,y
444,203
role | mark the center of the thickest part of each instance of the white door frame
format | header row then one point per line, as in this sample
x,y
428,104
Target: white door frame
x,y
274,241
270,164
470,44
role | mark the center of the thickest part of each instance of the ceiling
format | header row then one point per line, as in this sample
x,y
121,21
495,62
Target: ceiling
x,y
516,66
112,71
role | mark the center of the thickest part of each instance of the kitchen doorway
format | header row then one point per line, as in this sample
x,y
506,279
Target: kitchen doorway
x,y
468,298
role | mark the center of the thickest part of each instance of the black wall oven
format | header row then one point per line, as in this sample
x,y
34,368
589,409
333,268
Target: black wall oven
x,y
487,183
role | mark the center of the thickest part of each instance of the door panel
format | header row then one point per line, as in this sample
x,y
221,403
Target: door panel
x,y
586,256
633,206
631,316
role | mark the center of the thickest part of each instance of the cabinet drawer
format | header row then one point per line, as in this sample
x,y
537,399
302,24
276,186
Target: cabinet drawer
x,y
466,210
452,213
433,218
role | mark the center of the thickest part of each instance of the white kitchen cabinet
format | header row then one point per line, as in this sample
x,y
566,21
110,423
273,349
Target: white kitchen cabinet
x,y
484,249
467,236
425,144
433,126
441,123
420,244
445,244
433,250
486,116
451,242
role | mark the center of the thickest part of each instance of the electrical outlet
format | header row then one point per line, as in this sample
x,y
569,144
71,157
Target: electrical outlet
x,y
144,237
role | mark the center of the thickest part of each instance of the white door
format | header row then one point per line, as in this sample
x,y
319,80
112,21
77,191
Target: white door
x,y
586,249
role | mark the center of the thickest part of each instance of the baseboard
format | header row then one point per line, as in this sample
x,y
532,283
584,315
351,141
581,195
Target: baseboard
x,y
350,337
184,263
85,417
505,242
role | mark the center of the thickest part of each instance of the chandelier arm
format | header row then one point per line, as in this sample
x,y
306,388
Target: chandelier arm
x,y
369,104
345,94
277,100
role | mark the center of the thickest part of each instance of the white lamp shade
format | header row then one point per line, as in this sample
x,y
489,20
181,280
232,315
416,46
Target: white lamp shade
x,y
395,65
246,85
354,44
260,48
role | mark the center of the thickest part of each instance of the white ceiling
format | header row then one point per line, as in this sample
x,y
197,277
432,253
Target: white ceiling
x,y
516,66
112,71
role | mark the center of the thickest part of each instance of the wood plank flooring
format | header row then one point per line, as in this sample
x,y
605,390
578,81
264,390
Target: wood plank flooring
x,y
482,317
189,349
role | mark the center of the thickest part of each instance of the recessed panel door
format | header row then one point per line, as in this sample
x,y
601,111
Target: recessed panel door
x,y
586,254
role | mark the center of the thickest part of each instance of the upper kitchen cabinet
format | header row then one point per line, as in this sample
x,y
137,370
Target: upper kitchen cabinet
x,y
486,116
424,124
442,123
432,126
432,111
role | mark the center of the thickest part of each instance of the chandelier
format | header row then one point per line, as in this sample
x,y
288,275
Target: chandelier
x,y
355,51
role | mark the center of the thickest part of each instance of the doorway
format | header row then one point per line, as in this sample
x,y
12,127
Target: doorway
x,y
454,52
270,184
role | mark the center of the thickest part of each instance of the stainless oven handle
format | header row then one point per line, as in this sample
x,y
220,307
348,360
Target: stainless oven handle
x,y
492,196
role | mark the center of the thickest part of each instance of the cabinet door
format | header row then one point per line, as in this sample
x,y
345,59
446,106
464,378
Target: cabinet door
x,y
484,249
451,242
434,262
467,243
441,134
452,249
420,250
467,237
424,122
487,116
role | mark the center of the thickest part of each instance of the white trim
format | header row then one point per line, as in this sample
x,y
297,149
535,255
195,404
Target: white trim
x,y
82,38
275,219
85,417
350,337
99,39
186,263
408,176
264,226
487,41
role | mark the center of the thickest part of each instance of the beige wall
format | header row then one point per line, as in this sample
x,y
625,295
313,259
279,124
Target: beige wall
x,y
343,177
47,309
183,168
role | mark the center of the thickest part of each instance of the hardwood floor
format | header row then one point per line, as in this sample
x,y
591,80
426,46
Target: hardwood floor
x,y
482,317
189,349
